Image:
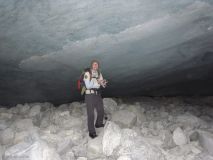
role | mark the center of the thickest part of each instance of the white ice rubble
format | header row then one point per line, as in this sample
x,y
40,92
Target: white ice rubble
x,y
146,129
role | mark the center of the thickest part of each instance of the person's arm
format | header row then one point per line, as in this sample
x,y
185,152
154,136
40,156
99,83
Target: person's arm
x,y
90,83
102,81
101,77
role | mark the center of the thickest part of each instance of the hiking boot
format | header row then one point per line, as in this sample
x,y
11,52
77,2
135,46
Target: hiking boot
x,y
99,126
92,135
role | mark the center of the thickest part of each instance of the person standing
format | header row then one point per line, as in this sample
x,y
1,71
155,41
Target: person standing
x,y
93,80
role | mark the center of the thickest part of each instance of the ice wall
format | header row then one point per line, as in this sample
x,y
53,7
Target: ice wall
x,y
146,47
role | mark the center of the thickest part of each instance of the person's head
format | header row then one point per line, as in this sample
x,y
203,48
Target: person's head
x,y
95,64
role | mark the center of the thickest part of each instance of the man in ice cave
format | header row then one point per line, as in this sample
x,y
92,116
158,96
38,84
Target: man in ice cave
x,y
93,80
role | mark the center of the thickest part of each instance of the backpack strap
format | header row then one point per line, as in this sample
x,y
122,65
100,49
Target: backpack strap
x,y
90,72
99,73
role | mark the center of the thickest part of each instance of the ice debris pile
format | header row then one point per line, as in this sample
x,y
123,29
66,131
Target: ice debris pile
x,y
146,129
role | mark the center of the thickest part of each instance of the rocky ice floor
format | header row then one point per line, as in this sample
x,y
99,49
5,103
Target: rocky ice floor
x,y
141,129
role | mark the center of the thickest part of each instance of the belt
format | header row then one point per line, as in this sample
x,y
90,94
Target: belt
x,y
91,91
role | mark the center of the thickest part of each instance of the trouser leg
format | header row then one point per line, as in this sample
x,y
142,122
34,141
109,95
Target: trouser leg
x,y
100,110
89,99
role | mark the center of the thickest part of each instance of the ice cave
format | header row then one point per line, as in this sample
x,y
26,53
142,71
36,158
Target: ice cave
x,y
157,56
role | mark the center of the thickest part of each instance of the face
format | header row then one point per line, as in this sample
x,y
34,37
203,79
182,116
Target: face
x,y
95,66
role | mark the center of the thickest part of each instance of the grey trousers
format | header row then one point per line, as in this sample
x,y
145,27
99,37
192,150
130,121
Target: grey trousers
x,y
93,102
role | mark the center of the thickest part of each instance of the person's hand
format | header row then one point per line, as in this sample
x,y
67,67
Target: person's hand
x,y
103,82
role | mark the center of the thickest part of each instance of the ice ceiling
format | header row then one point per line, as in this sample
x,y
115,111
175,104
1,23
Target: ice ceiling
x,y
146,47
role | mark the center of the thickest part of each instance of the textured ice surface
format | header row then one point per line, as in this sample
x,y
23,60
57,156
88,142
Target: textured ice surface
x,y
146,47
